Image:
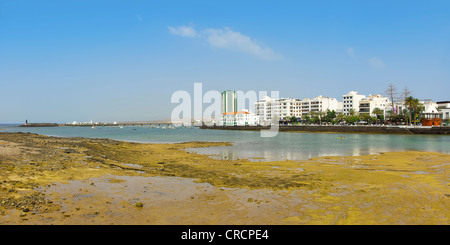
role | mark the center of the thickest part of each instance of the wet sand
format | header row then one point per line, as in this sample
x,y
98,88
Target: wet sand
x,y
52,180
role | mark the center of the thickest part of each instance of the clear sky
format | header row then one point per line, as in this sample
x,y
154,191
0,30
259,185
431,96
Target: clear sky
x,y
110,60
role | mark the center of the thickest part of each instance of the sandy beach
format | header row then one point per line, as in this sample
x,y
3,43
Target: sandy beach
x,y
53,180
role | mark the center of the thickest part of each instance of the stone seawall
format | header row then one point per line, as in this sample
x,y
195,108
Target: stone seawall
x,y
343,129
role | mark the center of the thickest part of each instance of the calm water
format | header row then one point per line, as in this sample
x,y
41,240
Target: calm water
x,y
249,144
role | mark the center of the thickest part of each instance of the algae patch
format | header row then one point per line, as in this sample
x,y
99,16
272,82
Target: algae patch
x,y
389,188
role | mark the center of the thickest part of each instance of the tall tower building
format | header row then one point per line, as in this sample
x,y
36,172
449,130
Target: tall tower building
x,y
229,101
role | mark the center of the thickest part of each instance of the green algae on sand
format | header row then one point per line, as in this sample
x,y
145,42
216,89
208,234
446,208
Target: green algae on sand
x,y
389,188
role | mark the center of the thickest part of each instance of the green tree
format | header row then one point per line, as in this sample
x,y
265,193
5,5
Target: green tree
x,y
321,115
418,108
340,117
314,117
307,119
293,119
366,117
414,108
352,119
379,113
352,112
329,116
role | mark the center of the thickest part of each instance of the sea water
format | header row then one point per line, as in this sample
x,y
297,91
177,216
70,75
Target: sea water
x,y
249,144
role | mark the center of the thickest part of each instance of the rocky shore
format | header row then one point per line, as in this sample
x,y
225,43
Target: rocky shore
x,y
52,180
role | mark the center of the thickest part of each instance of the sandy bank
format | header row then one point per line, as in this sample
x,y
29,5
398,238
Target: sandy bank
x,y
50,180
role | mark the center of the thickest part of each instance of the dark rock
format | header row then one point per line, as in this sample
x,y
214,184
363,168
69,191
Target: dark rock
x,y
70,151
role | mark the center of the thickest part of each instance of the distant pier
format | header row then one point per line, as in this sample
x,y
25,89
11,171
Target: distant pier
x,y
97,124
114,124
39,125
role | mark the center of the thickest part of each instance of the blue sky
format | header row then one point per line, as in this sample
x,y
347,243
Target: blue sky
x,y
62,61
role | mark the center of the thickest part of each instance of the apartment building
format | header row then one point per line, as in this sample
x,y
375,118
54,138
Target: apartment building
x,y
367,105
318,104
268,109
351,101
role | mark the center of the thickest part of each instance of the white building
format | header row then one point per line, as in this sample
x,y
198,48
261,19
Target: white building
x,y
239,118
230,116
398,107
268,109
444,107
351,101
367,105
429,106
319,104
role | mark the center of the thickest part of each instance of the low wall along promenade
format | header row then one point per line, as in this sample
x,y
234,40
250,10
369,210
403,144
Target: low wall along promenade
x,y
343,129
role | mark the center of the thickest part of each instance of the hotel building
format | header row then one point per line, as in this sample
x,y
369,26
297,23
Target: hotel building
x,y
239,118
231,116
229,101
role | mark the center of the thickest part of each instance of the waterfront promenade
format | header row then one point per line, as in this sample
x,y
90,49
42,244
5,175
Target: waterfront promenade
x,y
382,129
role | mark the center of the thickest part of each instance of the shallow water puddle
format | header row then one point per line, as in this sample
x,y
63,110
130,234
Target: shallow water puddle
x,y
166,200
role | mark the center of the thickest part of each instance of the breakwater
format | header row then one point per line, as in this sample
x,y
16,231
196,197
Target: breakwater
x,y
342,129
39,125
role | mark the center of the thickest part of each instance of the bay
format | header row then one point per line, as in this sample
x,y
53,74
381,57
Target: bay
x,y
249,144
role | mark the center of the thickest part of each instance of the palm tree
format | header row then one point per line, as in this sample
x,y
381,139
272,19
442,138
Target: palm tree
x,y
418,108
314,116
378,112
321,115
340,117
410,103
352,117
352,112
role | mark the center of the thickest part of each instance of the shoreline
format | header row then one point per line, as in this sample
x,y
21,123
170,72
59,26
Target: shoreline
x,y
55,180
370,129
444,130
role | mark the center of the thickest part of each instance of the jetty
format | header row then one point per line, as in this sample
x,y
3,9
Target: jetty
x,y
39,125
